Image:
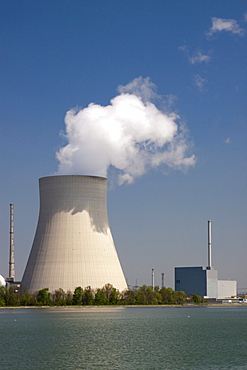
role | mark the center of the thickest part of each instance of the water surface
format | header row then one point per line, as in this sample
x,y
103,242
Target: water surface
x,y
208,337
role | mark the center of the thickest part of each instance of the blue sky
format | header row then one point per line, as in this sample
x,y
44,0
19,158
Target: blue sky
x,y
58,55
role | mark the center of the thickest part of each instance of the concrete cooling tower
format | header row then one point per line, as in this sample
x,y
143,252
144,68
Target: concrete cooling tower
x,y
73,244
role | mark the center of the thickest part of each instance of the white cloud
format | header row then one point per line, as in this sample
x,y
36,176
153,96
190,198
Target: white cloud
x,y
141,87
130,134
229,25
200,82
199,58
183,48
228,140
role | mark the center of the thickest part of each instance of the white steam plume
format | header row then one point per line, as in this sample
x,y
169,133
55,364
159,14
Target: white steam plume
x,y
130,134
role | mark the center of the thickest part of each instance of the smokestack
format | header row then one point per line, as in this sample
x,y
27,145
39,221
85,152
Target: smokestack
x,y
153,279
11,246
209,245
162,280
73,244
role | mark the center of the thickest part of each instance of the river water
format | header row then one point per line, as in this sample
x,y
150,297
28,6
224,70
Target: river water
x,y
208,337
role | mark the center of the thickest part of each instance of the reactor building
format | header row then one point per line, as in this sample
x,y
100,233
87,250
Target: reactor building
x,y
73,245
203,280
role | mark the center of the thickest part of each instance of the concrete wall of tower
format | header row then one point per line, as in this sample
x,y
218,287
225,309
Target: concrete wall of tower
x,y
73,244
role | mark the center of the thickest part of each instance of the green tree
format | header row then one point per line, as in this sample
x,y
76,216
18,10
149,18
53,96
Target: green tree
x,y
179,297
128,297
88,297
156,299
111,293
3,295
196,298
167,295
146,295
59,297
77,296
69,298
44,297
114,297
12,296
26,299
100,298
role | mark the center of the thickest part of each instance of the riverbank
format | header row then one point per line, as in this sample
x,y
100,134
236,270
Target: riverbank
x,y
123,306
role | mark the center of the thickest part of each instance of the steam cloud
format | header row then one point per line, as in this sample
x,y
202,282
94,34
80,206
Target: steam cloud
x,y
130,134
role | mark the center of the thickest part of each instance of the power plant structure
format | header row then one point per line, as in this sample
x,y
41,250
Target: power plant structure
x,y
162,280
153,279
73,245
11,278
203,280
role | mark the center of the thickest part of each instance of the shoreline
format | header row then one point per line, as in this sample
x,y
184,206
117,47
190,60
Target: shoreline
x,y
124,306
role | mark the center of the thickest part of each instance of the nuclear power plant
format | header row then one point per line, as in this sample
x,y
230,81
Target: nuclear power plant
x,y
203,280
73,244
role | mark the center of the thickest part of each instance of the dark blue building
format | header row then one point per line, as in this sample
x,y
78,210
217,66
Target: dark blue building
x,y
197,280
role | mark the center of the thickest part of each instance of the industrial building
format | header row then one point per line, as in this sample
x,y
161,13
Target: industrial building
x,y
73,244
197,280
226,288
203,280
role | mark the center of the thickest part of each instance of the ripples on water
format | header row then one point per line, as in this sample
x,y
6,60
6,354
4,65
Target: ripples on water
x,y
124,338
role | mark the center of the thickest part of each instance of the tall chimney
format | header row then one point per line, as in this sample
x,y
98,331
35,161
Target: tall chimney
x,y
11,245
209,245
153,279
162,280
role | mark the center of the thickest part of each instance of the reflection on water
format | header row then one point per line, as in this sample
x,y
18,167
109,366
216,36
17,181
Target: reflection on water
x,y
124,338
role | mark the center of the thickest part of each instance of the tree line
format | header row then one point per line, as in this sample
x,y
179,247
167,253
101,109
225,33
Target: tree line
x,y
108,295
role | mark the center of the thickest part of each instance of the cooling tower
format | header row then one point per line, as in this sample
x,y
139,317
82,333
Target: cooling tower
x,y
73,244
